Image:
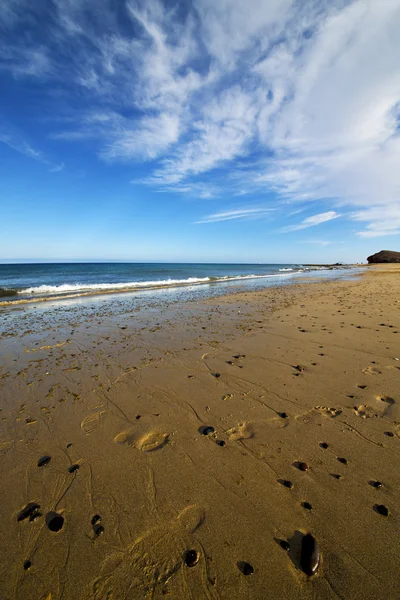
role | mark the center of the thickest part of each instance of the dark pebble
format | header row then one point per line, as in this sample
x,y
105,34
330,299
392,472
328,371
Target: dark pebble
x,y
220,442
207,430
73,468
382,509
377,484
69,445
191,558
342,460
302,466
283,415
306,505
54,521
336,476
98,529
27,512
95,519
216,374
310,555
35,516
43,461
27,565
389,433
245,568
138,417
324,445
285,545
287,483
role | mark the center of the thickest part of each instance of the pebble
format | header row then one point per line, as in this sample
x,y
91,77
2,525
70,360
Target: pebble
x,y
377,484
306,505
220,442
324,445
29,511
310,555
302,466
382,509
43,461
285,545
246,568
342,460
287,483
208,430
54,521
191,558
27,565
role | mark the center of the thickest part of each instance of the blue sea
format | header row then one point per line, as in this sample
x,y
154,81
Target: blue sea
x,y
25,283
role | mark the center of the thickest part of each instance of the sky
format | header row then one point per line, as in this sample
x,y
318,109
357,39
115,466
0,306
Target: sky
x,y
211,131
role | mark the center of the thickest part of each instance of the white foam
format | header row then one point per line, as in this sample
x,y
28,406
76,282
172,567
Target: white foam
x,y
77,288
66,288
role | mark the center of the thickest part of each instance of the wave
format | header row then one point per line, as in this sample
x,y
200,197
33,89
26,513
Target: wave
x,y
67,288
285,269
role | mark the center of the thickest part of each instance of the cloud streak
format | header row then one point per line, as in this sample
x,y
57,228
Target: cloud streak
x,y
312,221
241,213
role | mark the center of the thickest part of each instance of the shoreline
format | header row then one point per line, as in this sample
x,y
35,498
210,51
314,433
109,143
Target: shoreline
x,y
132,289
119,402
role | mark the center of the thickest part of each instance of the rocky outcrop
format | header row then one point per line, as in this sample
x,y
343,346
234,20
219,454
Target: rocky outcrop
x,y
384,256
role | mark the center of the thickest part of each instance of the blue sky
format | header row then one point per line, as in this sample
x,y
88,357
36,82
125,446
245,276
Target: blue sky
x,y
265,131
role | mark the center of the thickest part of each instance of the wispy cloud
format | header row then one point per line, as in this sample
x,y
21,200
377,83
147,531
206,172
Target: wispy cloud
x,y
13,140
383,221
58,168
312,221
241,213
320,242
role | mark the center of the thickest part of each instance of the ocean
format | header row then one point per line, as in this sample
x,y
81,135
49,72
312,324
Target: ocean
x,y
24,283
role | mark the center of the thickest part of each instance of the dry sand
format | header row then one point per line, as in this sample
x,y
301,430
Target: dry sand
x,y
306,373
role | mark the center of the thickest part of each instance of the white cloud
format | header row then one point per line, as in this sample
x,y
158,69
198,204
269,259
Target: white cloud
x,y
312,221
383,221
241,213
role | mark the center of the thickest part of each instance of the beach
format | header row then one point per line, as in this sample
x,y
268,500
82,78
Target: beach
x,y
183,451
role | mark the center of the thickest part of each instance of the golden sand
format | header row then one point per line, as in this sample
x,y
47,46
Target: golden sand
x,y
118,412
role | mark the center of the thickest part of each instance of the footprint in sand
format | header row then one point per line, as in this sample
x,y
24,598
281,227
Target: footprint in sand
x,y
325,411
364,411
152,441
244,431
152,562
148,442
92,421
372,371
388,404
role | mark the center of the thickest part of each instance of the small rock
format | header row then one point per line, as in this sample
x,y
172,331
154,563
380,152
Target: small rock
x,y
191,558
310,555
245,568
382,510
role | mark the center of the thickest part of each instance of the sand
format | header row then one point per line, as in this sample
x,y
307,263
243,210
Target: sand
x,y
144,437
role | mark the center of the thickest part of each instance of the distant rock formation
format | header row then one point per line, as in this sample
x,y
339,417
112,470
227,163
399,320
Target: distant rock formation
x,y
384,256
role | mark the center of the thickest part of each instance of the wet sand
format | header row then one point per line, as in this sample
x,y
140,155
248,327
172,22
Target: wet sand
x,y
185,452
